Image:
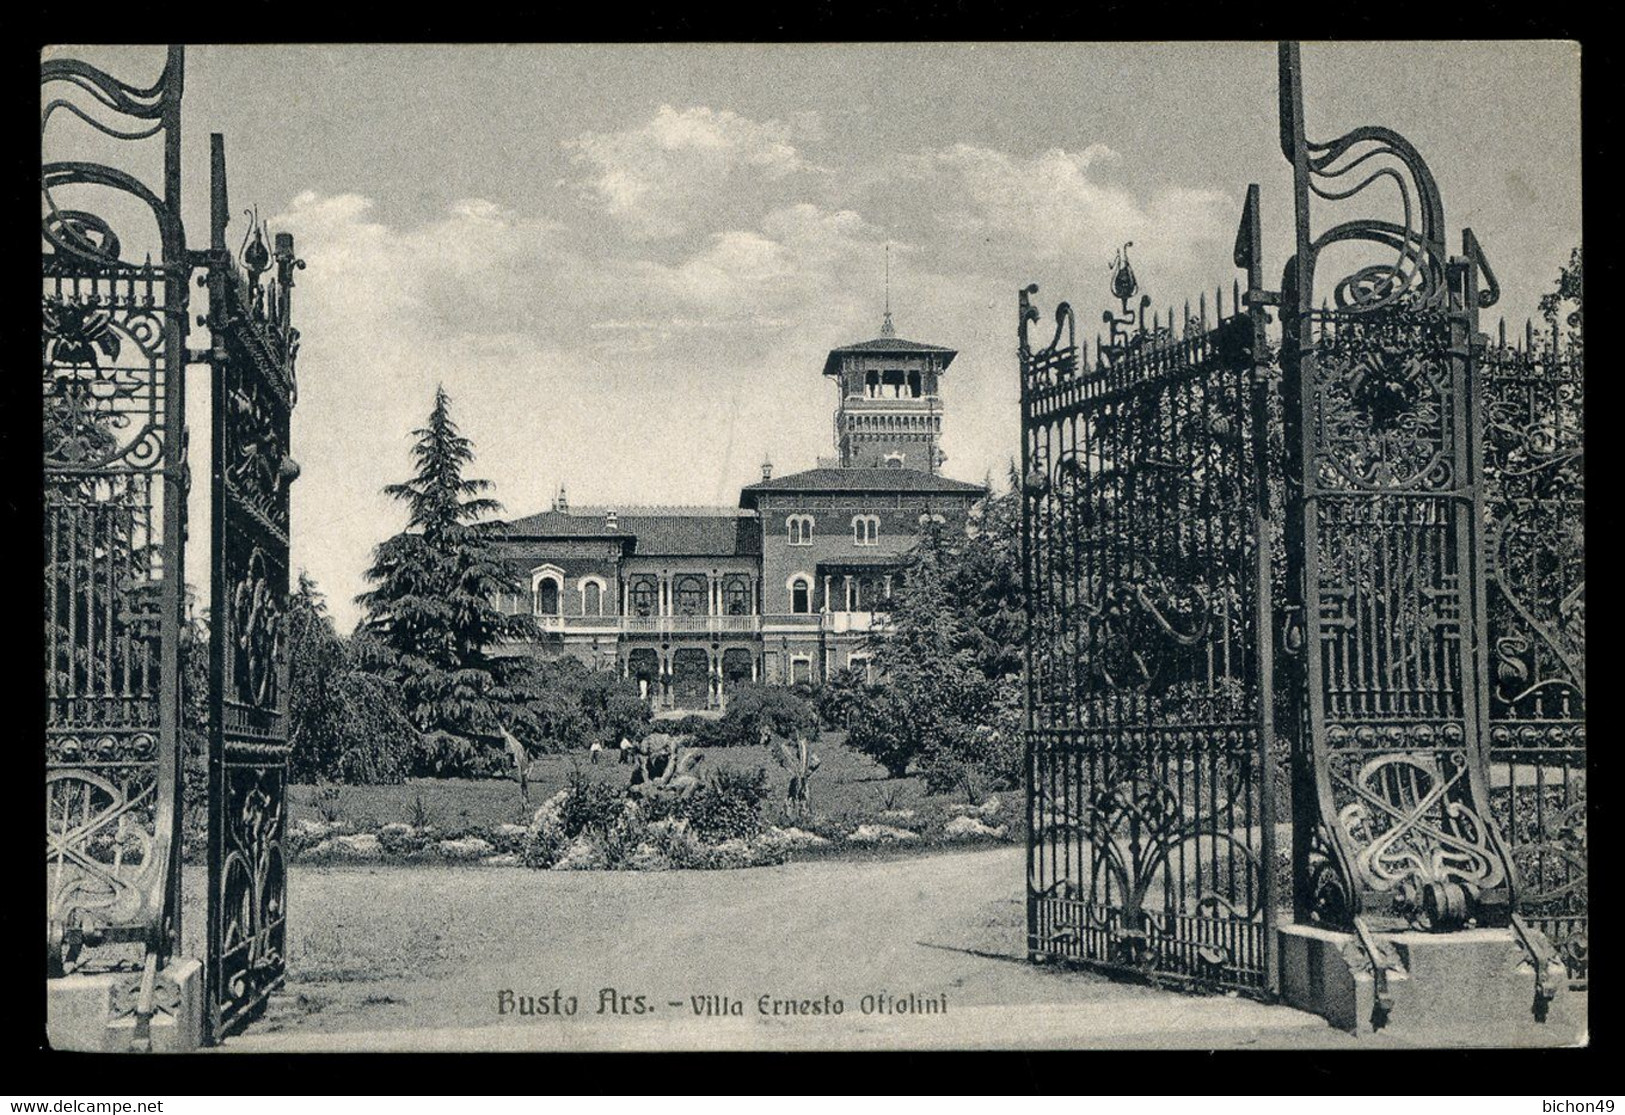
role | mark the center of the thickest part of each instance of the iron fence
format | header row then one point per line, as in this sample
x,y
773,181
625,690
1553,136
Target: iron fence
x,y
1151,832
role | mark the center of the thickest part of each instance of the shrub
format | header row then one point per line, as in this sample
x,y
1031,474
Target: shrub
x,y
325,800
621,838
702,731
841,697
784,712
676,840
561,705
727,806
976,759
398,843
884,728
587,805
544,841
445,755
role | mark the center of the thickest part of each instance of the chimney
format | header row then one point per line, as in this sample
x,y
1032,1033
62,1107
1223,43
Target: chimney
x,y
767,469
562,503
611,520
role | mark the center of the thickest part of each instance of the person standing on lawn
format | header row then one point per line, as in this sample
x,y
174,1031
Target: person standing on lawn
x,y
521,764
626,750
597,746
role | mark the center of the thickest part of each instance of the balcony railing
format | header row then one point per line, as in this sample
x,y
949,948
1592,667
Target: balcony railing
x,y
836,622
841,622
653,625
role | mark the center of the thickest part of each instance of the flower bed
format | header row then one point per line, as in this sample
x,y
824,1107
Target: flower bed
x,y
578,830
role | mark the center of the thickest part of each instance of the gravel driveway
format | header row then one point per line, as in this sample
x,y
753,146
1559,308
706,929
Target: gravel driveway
x,y
464,958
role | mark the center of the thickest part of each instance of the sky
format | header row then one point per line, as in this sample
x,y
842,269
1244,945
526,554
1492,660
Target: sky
x,y
627,263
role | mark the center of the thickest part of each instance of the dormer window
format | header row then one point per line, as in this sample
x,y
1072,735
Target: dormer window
x,y
866,530
799,530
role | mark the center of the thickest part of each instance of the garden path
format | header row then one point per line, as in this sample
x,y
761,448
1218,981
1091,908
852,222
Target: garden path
x,y
416,958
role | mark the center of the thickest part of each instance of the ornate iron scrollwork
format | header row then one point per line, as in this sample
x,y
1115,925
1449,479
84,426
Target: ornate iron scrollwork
x,y
112,352
1383,553
1150,846
255,385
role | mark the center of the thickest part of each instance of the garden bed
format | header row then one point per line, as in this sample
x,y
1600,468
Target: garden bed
x,y
855,810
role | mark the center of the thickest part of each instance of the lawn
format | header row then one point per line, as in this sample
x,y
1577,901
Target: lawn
x,y
848,789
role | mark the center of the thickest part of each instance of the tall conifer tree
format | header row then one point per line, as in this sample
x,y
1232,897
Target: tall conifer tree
x,y
432,607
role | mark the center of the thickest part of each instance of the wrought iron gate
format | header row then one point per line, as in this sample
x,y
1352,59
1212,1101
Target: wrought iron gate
x,y
1151,830
1534,442
1385,589
114,355
255,345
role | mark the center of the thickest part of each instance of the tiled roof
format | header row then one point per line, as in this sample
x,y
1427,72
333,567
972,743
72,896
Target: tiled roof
x,y
693,535
882,345
858,480
703,533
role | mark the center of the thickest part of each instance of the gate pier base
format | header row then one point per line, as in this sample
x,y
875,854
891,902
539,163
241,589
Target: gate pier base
x,y
1474,979
99,1013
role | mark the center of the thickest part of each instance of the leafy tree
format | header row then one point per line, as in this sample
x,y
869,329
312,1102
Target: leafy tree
x,y
1567,297
951,663
432,613
562,705
345,724
841,696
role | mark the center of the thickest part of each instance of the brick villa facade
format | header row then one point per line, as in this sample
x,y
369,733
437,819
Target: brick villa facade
x,y
787,586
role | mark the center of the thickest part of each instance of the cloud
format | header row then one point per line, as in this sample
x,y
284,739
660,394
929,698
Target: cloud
x,y
663,372
654,178
1060,203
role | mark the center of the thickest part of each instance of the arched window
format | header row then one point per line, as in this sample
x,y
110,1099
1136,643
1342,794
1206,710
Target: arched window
x,y
801,596
592,599
799,530
736,597
547,597
644,596
871,383
866,530
690,596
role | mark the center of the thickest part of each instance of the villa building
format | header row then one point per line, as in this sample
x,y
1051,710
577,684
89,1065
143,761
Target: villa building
x,y
785,587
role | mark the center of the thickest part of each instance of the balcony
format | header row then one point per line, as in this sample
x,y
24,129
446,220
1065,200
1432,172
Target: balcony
x,y
834,622
880,404
841,623
690,625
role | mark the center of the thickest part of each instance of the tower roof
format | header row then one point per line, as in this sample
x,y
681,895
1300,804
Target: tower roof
x,y
887,342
